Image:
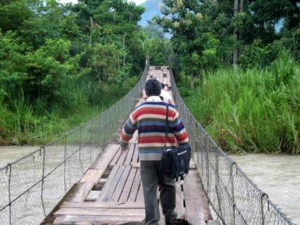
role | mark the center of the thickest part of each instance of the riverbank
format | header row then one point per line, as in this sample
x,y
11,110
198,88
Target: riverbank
x,y
278,176
49,127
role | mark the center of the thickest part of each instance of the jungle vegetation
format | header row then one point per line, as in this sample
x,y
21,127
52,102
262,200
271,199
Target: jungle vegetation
x,y
236,63
61,64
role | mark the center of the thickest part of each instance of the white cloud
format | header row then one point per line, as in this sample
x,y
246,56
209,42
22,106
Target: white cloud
x,y
138,2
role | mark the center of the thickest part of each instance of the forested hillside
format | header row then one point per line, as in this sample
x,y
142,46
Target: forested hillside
x,y
236,63
60,63
239,75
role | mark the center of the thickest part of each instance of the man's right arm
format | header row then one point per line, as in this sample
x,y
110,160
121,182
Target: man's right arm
x,y
127,132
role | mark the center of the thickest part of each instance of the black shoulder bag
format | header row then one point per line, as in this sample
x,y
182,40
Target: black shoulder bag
x,y
175,160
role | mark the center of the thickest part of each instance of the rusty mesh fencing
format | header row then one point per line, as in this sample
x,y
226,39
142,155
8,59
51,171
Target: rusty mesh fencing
x,y
33,185
233,196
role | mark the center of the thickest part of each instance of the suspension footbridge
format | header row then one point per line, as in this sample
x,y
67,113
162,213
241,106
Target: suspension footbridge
x,y
84,178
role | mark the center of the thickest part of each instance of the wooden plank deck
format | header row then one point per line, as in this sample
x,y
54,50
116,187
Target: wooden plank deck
x,y
111,192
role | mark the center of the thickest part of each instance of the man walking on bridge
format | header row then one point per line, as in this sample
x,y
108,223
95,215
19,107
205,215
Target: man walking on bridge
x,y
149,118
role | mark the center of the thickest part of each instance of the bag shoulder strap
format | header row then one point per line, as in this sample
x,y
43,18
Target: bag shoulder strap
x,y
167,121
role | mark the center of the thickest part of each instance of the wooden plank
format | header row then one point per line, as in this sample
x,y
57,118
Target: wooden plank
x,y
92,176
135,157
108,182
98,186
109,205
155,74
165,81
97,212
97,220
126,190
94,173
197,210
140,195
92,196
113,184
129,155
135,187
213,222
161,76
82,191
117,193
192,164
116,158
104,158
179,201
122,157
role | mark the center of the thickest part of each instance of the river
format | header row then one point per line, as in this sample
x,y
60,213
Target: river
x,y
276,175
11,153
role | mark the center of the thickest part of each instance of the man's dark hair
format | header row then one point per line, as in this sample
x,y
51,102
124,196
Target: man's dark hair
x,y
152,87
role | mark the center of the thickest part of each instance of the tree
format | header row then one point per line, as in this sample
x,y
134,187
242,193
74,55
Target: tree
x,y
14,13
235,34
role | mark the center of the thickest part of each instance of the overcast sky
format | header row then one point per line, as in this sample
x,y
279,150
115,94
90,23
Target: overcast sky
x,y
75,1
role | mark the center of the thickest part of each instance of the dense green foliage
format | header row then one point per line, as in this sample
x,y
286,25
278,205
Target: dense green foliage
x,y
255,106
62,64
256,110
157,47
206,33
60,61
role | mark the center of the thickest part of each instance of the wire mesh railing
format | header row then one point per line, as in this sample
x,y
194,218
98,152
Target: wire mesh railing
x,y
233,196
33,185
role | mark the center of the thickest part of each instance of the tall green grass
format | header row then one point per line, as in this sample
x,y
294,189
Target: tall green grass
x,y
24,123
257,110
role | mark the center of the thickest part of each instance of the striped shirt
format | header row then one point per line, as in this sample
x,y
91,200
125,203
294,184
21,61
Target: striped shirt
x,y
149,119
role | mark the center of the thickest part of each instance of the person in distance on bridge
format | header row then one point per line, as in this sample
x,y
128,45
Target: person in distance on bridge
x,y
149,118
165,94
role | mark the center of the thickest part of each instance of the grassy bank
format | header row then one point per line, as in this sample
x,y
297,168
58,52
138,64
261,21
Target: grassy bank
x,y
22,123
257,110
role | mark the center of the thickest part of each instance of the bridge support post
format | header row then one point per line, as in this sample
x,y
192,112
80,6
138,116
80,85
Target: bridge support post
x,y
65,162
79,151
217,183
147,61
42,149
207,164
9,191
263,195
232,192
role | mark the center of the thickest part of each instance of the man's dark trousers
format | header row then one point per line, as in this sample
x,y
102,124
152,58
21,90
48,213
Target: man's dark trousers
x,y
151,178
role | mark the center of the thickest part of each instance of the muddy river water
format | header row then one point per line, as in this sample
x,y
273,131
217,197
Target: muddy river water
x,y
11,153
277,175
